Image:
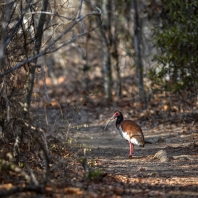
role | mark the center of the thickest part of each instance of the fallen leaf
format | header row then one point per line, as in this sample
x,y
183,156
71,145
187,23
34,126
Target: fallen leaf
x,y
72,190
6,186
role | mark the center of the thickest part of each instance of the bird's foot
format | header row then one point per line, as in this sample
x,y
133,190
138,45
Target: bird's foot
x,y
130,156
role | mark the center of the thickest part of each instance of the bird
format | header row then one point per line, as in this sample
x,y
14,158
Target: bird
x,y
129,130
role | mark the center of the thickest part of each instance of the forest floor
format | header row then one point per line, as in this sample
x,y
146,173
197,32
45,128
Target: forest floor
x,y
166,168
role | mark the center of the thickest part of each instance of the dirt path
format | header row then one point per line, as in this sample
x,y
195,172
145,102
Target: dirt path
x,y
144,175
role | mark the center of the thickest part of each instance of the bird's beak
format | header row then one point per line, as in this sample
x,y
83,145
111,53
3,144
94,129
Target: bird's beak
x,y
112,118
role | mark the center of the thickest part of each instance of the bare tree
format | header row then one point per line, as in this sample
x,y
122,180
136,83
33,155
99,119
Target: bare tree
x,y
114,49
38,42
138,49
106,34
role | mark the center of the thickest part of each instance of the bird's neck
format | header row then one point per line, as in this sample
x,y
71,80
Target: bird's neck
x,y
119,120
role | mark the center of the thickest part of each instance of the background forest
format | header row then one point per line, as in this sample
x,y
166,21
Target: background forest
x,y
67,65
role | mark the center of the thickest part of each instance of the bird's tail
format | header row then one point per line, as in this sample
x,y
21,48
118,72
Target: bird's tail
x,y
147,142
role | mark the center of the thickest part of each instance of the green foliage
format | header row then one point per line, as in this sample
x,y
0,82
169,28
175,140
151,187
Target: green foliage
x,y
91,173
177,41
95,174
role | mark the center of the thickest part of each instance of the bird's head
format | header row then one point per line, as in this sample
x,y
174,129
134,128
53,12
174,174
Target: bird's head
x,y
115,115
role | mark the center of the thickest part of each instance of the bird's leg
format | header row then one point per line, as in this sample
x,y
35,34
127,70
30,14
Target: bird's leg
x,y
131,150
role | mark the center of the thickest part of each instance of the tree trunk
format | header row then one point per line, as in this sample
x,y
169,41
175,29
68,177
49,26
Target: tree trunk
x,y
105,29
115,54
5,17
38,41
138,50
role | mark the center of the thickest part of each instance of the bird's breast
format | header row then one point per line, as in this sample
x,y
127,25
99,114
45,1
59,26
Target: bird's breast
x,y
124,135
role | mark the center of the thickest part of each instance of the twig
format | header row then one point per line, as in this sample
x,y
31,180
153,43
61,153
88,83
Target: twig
x,y
48,49
45,94
6,98
17,25
33,177
79,10
61,111
85,164
23,63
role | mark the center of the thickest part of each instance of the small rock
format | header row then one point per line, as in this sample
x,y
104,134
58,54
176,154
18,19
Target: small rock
x,y
162,156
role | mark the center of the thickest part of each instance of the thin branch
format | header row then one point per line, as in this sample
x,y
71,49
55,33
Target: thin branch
x,y
17,25
79,10
69,29
41,12
44,52
6,98
23,63
33,177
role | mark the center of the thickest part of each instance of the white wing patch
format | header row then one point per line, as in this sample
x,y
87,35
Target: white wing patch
x,y
126,136
134,141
